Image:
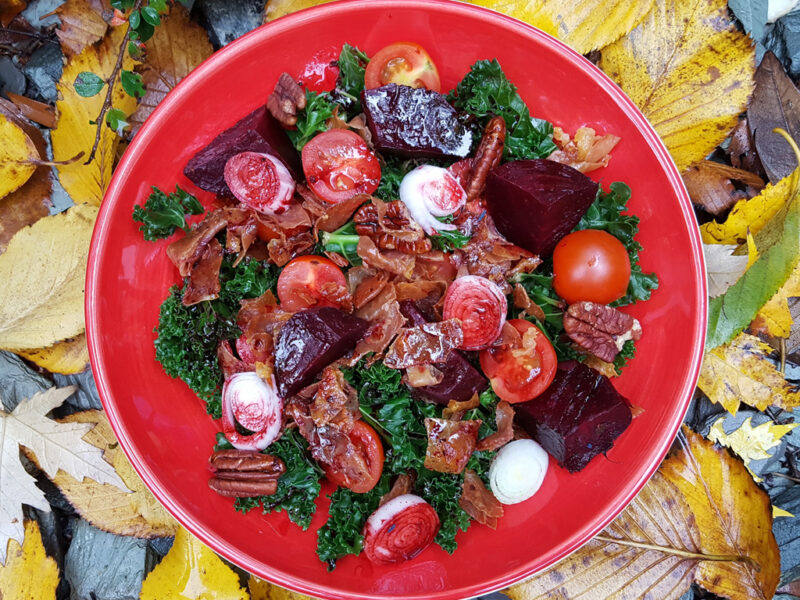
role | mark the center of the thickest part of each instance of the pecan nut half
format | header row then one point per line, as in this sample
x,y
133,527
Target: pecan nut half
x,y
286,100
391,227
599,329
487,156
245,473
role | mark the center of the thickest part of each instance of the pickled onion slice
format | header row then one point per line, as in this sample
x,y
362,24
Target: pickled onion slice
x,y
429,192
481,307
400,529
260,181
255,406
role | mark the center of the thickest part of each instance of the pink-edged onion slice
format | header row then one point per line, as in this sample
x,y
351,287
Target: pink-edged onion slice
x,y
400,529
481,307
260,181
429,192
256,406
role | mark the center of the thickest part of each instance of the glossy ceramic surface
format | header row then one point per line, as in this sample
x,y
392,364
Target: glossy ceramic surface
x,y
163,427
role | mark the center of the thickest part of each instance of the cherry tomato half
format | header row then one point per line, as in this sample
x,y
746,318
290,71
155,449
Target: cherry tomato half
x,y
520,374
368,444
300,284
403,63
591,265
338,165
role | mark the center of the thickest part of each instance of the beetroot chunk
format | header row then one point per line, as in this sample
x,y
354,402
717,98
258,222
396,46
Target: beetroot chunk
x,y
414,122
577,417
461,380
257,132
535,203
311,340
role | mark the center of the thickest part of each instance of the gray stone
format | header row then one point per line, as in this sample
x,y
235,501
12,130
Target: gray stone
x,y
103,566
11,77
784,40
226,20
36,11
44,70
59,198
18,381
86,397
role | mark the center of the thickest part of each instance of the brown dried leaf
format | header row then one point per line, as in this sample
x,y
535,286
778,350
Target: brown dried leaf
x,y
38,112
775,103
10,9
30,202
742,150
106,506
81,26
178,46
700,519
717,187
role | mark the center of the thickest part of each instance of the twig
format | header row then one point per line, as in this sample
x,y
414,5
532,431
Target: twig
x,y
790,478
782,343
111,81
32,34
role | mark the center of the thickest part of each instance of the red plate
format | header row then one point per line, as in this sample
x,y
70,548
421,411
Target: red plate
x,y
163,427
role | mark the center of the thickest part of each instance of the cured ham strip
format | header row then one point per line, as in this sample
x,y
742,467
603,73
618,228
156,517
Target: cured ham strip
x,y
478,502
586,151
185,252
392,261
504,417
402,485
425,344
450,444
203,283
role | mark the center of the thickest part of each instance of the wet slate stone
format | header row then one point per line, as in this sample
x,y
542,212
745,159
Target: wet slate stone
x,y
11,78
18,381
39,12
787,529
51,525
784,40
44,70
103,566
86,396
226,20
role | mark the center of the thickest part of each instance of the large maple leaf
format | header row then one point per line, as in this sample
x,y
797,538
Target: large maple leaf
x,y
55,446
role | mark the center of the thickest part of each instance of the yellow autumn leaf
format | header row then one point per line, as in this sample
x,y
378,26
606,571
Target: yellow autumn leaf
x,y
775,318
191,571
750,214
750,443
534,13
278,8
43,272
16,152
740,372
28,574
74,132
690,72
106,506
264,590
67,357
779,512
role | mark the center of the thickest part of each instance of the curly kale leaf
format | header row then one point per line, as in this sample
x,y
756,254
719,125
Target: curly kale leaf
x,y
606,213
350,82
298,488
486,92
343,241
162,214
312,119
188,336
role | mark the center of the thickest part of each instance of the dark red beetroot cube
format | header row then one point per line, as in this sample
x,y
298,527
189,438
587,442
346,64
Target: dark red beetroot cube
x,y
257,132
414,122
535,203
311,340
577,417
461,380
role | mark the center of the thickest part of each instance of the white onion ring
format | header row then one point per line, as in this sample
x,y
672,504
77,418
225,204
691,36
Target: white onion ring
x,y
431,192
256,406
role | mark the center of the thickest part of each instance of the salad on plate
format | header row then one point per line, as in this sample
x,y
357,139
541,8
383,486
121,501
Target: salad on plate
x,y
411,294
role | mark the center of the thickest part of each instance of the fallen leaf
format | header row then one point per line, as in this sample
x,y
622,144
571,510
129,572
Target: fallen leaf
x,y
74,132
29,574
742,150
81,26
722,267
176,48
38,112
775,103
17,150
658,547
779,512
10,9
105,506
30,202
746,215
190,570
740,372
278,8
68,357
775,318
733,516
43,272
779,252
689,70
264,590
717,187
748,442
54,446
